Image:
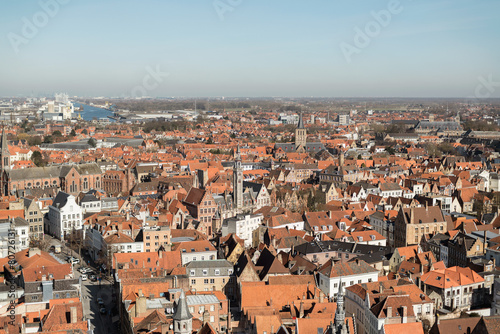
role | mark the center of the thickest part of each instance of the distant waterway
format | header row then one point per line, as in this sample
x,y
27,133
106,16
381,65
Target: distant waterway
x,y
90,112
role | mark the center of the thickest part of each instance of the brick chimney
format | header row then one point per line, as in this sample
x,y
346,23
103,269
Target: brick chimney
x,y
389,312
73,314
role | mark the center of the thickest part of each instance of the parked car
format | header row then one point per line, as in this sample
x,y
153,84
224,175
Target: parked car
x,y
73,260
84,277
93,278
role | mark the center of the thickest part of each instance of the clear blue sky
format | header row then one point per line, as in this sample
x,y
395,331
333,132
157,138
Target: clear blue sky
x,y
430,48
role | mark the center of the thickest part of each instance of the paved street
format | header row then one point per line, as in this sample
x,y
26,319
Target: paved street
x,y
90,291
101,323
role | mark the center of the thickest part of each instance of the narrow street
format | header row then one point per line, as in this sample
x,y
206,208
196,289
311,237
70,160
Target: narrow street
x,y
100,323
91,291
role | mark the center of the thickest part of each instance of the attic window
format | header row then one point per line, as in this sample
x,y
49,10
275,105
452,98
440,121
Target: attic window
x,y
183,250
206,248
192,249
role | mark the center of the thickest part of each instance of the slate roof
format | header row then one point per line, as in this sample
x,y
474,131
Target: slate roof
x,y
182,310
60,200
357,267
34,173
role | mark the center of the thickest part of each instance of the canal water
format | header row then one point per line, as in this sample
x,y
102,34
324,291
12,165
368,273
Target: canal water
x,y
90,112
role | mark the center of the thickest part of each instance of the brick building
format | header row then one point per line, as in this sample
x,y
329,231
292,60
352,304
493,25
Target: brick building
x,y
412,223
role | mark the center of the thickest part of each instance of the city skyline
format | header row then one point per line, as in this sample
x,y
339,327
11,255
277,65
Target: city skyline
x,y
251,49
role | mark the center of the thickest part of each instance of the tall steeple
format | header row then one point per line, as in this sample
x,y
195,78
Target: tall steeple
x,y
5,152
340,327
238,180
4,163
300,135
183,320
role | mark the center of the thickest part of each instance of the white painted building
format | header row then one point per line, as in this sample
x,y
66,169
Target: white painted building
x,y
332,274
243,226
21,227
64,215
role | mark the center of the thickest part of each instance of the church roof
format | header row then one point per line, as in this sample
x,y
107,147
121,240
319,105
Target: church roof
x,y
301,122
182,310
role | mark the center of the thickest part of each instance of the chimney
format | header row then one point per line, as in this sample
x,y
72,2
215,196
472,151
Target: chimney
x,y
73,314
389,312
405,315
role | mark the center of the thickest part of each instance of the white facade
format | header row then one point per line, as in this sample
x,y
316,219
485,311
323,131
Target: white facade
x,y
128,247
91,206
187,257
64,216
22,236
242,226
330,285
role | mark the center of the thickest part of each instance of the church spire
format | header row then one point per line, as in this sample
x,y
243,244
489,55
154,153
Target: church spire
x,y
340,312
300,136
301,122
183,320
5,154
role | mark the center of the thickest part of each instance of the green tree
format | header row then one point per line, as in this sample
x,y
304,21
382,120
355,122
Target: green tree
x,y
85,132
34,141
48,139
57,133
37,159
72,133
92,142
210,141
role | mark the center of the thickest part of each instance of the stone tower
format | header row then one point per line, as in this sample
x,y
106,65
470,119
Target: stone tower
x,y
5,154
238,180
340,326
4,163
183,320
300,135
